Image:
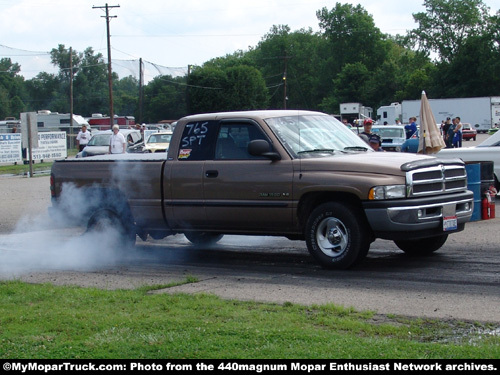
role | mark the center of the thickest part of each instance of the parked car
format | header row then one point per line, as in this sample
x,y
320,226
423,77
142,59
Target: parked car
x,y
488,150
468,132
158,142
393,136
99,143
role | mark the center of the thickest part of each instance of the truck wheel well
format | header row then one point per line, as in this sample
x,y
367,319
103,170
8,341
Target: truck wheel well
x,y
109,199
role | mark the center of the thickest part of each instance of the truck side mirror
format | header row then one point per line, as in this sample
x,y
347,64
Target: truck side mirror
x,y
261,147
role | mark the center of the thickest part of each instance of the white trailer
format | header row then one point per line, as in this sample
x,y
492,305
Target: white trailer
x,y
482,113
53,121
354,112
389,113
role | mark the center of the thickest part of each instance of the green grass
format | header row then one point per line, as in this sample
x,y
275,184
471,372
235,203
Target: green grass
x,y
47,321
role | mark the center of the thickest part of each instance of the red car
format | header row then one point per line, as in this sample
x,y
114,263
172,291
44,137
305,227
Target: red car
x,y
468,132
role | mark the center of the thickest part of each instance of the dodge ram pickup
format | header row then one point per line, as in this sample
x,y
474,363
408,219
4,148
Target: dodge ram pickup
x,y
299,174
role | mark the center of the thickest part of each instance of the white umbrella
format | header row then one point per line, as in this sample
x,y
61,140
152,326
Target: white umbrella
x,y
430,141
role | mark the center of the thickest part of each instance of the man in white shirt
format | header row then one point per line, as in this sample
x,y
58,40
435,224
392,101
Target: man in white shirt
x,y
117,142
83,138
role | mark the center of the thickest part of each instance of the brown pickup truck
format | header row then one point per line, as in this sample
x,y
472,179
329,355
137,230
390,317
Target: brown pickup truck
x,y
298,174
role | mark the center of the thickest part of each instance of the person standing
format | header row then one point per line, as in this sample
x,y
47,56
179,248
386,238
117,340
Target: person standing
x,y
446,133
117,142
83,138
411,128
457,137
367,134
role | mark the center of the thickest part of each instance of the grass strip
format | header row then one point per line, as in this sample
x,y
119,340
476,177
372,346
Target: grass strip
x,y
47,321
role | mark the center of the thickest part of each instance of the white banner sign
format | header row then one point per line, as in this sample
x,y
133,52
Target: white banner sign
x,y
10,148
51,145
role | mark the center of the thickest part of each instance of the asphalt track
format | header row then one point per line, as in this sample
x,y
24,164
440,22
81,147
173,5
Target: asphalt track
x,y
460,281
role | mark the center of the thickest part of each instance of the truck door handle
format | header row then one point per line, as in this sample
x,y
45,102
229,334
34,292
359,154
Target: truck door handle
x,y
211,174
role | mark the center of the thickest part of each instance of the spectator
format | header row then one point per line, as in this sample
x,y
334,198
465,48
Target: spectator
x,y
117,142
375,142
83,138
411,128
446,134
457,136
367,134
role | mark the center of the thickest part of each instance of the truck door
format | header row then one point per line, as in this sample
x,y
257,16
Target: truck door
x,y
244,192
184,199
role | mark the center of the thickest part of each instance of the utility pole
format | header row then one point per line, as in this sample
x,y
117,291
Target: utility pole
x,y
141,90
110,71
71,139
285,97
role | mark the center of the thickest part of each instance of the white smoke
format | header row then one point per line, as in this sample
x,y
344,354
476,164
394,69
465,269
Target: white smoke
x,y
58,242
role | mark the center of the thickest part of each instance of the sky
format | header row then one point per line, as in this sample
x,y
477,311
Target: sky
x,y
168,33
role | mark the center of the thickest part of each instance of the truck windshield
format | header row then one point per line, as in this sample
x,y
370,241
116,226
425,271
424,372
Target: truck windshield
x,y
315,135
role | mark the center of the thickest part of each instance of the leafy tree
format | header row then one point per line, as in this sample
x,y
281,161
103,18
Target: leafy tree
x,y
42,90
352,36
235,88
12,89
165,99
126,95
300,53
60,57
446,24
351,82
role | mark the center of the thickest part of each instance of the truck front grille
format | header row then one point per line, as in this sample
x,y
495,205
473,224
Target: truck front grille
x,y
436,180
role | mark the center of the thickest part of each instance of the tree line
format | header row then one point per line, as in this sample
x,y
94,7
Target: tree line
x,y
453,52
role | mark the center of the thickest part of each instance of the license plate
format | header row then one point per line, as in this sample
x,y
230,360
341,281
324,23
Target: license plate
x,y
449,218
449,223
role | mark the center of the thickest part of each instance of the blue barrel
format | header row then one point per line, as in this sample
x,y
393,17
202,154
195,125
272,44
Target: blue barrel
x,y
474,184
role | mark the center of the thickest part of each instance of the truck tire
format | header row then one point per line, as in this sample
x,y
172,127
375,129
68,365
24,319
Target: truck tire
x,y
105,219
203,238
337,235
424,246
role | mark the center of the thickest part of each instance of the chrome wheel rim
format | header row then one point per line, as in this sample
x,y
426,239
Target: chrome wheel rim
x,y
332,237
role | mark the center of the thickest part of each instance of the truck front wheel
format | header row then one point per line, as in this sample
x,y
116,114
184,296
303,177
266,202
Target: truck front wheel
x,y
337,236
424,246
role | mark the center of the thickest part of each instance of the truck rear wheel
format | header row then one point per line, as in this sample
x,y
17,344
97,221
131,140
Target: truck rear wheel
x,y
106,221
203,238
337,236
424,246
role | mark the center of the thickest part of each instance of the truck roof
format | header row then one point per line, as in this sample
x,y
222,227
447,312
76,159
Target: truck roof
x,y
252,114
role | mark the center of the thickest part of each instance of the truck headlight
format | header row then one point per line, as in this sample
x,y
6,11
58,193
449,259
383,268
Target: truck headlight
x,y
387,192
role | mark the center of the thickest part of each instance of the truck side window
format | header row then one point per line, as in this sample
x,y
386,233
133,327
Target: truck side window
x,y
233,139
197,141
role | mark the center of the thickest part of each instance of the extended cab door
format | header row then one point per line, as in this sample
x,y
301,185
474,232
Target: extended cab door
x,y
184,201
245,192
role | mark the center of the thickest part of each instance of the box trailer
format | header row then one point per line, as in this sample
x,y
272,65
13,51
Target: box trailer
x,y
482,112
389,113
355,113
54,121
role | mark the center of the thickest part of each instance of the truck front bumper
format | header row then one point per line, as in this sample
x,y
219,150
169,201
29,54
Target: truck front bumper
x,y
408,219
